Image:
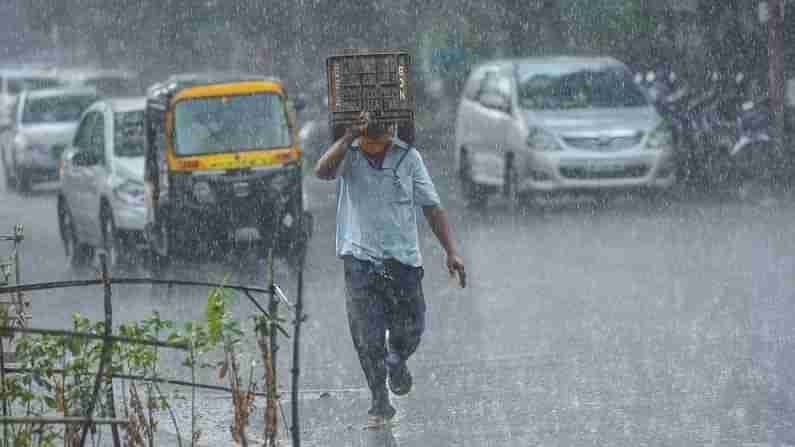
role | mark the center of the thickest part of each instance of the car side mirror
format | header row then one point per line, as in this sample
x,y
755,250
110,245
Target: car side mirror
x,y
496,102
86,159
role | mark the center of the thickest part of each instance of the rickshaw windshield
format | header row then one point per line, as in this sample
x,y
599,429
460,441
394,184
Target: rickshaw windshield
x,y
230,124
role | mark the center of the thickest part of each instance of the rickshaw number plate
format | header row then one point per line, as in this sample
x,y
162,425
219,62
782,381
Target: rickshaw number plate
x,y
242,189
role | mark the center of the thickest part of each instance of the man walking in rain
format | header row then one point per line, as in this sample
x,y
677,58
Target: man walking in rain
x,y
381,183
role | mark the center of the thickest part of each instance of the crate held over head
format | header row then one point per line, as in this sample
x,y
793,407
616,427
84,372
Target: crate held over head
x,y
376,81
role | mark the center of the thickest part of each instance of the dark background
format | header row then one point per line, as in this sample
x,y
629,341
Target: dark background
x,y
292,38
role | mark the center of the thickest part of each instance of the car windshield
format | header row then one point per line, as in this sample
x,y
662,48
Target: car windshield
x,y
56,109
231,124
17,85
115,86
584,89
129,136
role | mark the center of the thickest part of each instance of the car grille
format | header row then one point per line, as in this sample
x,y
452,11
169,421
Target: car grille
x,y
584,173
604,144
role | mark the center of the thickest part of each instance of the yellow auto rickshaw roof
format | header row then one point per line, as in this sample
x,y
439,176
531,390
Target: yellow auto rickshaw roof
x,y
229,89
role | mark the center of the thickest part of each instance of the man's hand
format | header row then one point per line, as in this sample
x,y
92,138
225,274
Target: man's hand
x,y
455,265
437,219
326,166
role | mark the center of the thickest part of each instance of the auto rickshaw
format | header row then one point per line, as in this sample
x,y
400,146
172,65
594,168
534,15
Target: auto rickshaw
x,y
222,157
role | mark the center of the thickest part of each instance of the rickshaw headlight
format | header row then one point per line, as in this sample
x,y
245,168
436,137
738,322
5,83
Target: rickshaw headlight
x,y
288,220
203,192
279,182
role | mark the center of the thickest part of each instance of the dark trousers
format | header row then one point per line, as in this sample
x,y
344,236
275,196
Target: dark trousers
x,y
378,299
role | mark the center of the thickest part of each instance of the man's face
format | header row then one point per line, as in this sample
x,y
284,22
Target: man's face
x,y
375,130
371,129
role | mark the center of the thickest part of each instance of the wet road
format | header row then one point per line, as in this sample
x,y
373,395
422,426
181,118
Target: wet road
x,y
632,323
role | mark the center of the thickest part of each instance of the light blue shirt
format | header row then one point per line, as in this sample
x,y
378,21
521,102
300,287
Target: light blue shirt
x,y
377,208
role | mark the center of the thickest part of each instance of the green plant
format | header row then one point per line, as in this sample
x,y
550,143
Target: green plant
x,y
57,374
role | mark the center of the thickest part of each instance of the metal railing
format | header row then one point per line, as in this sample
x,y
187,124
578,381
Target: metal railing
x,y
275,293
14,312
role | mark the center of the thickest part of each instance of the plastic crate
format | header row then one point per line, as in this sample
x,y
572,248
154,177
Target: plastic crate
x,y
375,81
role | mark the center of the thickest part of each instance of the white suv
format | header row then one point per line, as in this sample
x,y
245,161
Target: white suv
x,y
43,126
101,200
558,124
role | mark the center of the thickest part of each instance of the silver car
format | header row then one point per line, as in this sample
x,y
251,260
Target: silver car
x,y
44,124
101,199
558,124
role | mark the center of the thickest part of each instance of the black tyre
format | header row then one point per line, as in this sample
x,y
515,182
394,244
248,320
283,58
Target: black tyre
x,y
78,255
160,261
22,181
9,180
474,195
517,199
752,172
116,250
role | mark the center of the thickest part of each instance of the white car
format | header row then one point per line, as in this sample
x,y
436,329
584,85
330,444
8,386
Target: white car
x,y
547,124
15,80
101,199
44,124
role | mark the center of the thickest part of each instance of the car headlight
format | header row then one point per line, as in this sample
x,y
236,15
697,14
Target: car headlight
x,y
203,193
542,141
661,139
130,192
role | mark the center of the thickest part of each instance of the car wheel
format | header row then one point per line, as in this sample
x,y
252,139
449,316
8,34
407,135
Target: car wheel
x,y
159,264
474,195
78,255
160,269
516,198
112,243
9,180
751,178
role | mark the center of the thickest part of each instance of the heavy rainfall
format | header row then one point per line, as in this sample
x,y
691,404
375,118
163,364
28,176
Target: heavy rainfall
x,y
600,190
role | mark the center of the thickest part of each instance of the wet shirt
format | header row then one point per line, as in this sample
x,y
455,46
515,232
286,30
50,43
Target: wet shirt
x,y
377,208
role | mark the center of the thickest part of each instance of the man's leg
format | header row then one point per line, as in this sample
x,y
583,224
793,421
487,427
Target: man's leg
x,y
366,317
405,319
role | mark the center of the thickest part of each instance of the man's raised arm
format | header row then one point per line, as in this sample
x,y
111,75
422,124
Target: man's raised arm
x,y
326,168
